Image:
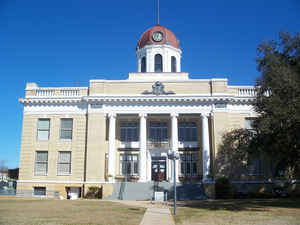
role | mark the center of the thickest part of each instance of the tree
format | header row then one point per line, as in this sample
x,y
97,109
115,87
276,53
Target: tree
x,y
278,100
233,154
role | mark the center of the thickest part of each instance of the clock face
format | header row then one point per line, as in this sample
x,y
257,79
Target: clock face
x,y
157,36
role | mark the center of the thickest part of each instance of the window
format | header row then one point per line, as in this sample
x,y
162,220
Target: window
x,y
188,164
129,131
39,191
43,130
143,65
129,164
173,64
254,165
187,131
158,132
249,123
158,63
64,163
66,127
41,163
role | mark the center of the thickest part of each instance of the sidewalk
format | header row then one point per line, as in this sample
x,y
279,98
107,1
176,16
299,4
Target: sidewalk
x,y
155,214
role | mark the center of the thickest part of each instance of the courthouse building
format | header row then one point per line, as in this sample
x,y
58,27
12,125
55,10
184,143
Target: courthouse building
x,y
76,137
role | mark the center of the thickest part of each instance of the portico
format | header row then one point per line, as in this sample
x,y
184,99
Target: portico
x,y
157,135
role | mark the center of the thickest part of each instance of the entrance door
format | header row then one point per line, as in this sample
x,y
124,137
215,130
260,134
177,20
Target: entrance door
x,y
159,169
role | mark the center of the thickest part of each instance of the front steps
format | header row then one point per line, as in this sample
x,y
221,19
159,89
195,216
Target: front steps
x,y
145,191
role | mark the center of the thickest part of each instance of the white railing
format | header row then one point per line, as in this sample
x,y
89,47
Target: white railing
x,y
72,92
251,92
244,91
56,92
45,92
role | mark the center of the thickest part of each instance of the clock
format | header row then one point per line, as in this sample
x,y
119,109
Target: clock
x,y
157,36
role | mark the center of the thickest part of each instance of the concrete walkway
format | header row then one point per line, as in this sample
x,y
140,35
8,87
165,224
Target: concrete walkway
x,y
155,214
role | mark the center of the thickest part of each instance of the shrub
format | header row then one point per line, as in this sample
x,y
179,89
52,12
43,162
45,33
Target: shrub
x,y
223,187
94,192
210,176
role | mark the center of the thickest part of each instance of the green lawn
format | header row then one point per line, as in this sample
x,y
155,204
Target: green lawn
x,y
65,212
239,212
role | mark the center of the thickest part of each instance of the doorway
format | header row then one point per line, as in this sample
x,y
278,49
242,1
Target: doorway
x,y
158,168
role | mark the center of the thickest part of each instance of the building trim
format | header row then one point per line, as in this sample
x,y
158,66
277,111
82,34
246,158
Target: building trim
x,y
63,182
166,81
55,88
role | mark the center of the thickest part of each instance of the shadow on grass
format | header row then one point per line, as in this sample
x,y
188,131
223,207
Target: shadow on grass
x,y
134,209
243,205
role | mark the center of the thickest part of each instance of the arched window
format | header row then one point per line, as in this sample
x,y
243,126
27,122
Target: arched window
x,y
143,65
158,63
173,64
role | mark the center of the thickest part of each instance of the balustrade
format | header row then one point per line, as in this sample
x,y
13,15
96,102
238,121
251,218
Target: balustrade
x,y
54,92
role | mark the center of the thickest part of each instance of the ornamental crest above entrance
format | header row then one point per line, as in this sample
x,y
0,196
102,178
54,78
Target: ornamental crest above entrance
x,y
158,89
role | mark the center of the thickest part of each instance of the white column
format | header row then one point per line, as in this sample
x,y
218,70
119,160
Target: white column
x,y
149,166
150,61
205,146
143,148
111,146
174,140
139,64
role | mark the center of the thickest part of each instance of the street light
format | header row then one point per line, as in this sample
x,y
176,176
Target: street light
x,y
174,156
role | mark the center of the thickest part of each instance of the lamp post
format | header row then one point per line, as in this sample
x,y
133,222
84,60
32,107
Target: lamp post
x,y
174,156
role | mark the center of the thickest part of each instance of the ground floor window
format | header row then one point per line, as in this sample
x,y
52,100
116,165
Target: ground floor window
x,y
254,165
189,164
39,191
129,164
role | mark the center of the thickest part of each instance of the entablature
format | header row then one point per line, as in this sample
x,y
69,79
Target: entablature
x,y
141,98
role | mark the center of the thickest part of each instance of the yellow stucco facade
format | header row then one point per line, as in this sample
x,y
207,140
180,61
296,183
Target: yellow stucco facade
x,y
90,110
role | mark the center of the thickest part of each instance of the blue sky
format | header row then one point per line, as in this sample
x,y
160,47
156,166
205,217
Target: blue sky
x,y
62,43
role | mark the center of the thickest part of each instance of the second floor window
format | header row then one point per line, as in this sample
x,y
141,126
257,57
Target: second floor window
x,y
64,163
158,132
249,123
43,129
41,163
66,129
187,131
129,131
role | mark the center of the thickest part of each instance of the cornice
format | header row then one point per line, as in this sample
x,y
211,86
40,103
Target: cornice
x,y
139,99
173,98
36,100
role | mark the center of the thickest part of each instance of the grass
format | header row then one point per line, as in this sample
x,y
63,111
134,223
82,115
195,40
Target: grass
x,y
239,212
65,212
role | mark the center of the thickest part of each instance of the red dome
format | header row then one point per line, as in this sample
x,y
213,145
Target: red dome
x,y
168,37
